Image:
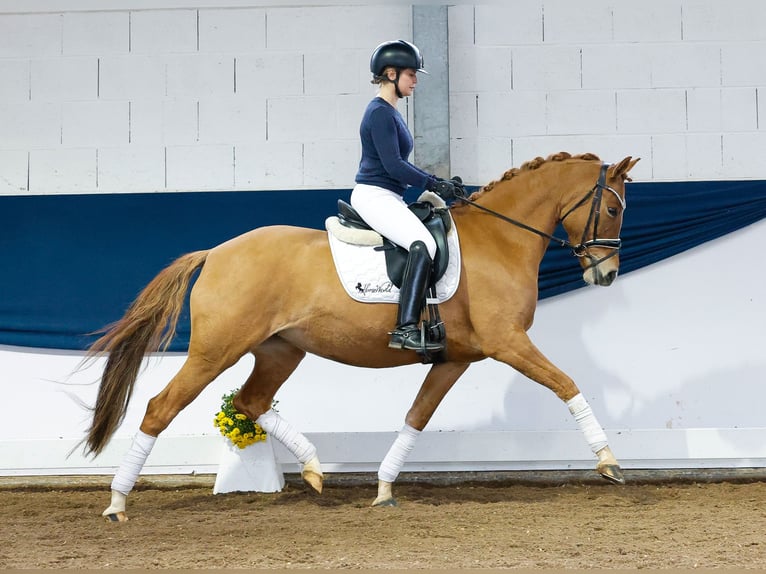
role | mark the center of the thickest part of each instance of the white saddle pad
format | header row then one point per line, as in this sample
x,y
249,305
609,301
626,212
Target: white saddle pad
x,y
362,269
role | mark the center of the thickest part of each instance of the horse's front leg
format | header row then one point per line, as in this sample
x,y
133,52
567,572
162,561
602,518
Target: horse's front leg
x,y
437,383
525,357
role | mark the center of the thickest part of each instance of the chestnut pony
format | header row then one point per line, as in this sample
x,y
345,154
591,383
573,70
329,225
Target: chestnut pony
x,y
246,300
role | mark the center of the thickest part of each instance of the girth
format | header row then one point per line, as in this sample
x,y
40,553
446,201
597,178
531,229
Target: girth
x,y
436,219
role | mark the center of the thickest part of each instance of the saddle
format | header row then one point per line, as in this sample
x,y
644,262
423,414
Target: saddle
x,y
436,219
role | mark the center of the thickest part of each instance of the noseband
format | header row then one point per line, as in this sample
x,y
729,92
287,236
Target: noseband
x,y
581,249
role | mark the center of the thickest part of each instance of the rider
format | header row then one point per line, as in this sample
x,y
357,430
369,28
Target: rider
x,y
383,177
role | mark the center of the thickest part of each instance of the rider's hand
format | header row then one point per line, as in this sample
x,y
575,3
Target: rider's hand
x,y
457,181
443,188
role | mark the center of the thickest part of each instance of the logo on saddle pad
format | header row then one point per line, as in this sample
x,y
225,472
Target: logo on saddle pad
x,y
369,275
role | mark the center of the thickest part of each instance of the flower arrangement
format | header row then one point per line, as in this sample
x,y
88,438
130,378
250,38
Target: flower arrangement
x,y
235,426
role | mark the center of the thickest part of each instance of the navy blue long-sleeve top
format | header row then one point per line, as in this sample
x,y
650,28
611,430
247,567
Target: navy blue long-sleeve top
x,y
386,145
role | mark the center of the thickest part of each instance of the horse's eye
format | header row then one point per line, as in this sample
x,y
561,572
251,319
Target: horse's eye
x,y
612,211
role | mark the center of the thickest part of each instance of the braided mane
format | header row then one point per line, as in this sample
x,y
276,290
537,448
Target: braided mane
x,y
532,165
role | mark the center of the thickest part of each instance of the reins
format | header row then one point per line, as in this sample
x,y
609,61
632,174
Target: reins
x,y
580,249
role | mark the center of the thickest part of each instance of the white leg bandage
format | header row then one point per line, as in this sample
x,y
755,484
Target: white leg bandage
x,y
285,433
398,453
589,426
133,462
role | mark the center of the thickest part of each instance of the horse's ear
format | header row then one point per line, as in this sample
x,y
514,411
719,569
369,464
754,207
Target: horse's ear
x,y
622,168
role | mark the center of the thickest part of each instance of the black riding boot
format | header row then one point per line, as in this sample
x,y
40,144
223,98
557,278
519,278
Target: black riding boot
x,y
417,274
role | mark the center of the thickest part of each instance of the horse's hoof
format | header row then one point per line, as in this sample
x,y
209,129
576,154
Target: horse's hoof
x,y
385,502
116,517
313,479
612,472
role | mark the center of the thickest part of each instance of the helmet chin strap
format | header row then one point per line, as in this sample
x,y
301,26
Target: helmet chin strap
x,y
396,83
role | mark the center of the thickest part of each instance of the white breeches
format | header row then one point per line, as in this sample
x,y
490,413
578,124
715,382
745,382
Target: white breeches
x,y
387,213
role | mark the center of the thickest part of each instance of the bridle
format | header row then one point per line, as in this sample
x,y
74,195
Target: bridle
x,y
581,249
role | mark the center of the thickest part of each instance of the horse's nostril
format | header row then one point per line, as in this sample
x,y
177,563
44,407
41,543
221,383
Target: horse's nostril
x,y
610,277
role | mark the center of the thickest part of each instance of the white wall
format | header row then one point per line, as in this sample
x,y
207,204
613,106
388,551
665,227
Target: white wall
x,y
172,95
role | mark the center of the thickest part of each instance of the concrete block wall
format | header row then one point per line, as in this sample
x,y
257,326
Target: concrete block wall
x,y
166,99
680,83
257,96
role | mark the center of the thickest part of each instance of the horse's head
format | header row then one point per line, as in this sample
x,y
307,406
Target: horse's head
x,y
593,222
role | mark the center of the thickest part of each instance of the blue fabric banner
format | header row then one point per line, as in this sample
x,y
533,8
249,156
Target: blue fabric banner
x,y
73,263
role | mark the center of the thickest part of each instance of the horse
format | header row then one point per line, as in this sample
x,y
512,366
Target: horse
x,y
247,298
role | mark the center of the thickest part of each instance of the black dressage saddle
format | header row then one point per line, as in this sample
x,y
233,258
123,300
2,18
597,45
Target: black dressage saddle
x,y
436,219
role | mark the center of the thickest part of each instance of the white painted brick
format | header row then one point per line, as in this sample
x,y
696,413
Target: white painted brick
x,y
581,112
14,86
30,35
62,171
269,165
734,20
348,27
511,114
131,169
168,122
304,28
651,111
13,172
761,97
238,31
647,21
302,119
743,155
509,24
742,64
460,25
28,125
199,75
64,79
703,152
722,110
270,73
131,77
681,65
616,66
162,31
546,68
350,109
463,121
203,167
586,21
321,77
330,164
366,26
480,68
232,120
94,124
96,33
680,157
480,160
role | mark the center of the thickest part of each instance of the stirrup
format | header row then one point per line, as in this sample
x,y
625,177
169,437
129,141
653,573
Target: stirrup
x,y
411,338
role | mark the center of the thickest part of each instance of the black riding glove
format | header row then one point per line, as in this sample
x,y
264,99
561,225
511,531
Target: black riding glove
x,y
457,181
442,187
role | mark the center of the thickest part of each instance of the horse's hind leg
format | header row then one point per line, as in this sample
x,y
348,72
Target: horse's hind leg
x,y
275,360
437,383
195,374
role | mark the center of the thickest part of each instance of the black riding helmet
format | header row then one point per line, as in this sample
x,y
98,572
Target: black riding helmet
x,y
398,54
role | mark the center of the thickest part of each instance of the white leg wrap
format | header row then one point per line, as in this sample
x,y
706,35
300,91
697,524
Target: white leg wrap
x,y
589,426
398,453
285,433
133,462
